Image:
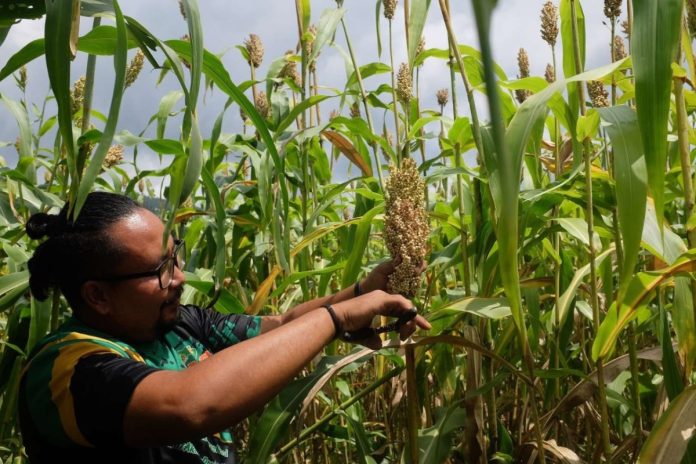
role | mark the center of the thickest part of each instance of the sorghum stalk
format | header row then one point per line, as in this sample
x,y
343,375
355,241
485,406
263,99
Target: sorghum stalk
x,y
395,102
87,102
363,97
594,303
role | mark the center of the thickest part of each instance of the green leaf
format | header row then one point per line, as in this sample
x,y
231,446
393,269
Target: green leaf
x,y
631,184
435,443
328,22
670,436
358,245
367,70
416,22
641,286
655,37
220,255
120,64
587,125
569,68
273,423
26,54
25,135
58,57
297,110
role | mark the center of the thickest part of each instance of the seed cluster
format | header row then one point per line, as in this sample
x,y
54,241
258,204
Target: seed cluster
x,y
404,84
113,156
549,23
134,68
23,78
598,94
619,49
406,226
523,64
261,104
442,97
691,16
289,71
550,74
389,8
612,9
77,96
421,46
254,49
355,110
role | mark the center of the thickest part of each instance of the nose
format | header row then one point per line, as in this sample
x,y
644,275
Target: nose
x,y
178,277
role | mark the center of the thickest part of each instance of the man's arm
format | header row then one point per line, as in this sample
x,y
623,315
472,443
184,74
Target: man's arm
x,y
175,406
376,280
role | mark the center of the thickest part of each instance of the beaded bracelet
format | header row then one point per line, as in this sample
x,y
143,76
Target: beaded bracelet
x,y
356,290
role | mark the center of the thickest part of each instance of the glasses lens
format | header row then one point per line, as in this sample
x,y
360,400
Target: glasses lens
x,y
180,255
166,273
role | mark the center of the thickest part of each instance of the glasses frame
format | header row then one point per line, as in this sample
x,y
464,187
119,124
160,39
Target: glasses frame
x,y
173,259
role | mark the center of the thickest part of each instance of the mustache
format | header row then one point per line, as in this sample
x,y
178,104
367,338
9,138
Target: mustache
x,y
177,295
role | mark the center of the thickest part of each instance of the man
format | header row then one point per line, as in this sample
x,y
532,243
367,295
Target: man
x,y
134,376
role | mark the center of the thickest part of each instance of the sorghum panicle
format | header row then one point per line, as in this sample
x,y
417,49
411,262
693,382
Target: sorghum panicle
x,y
78,94
619,49
442,96
612,9
691,16
389,8
113,156
626,27
421,45
523,64
390,141
550,73
404,84
406,226
355,110
254,48
261,104
23,77
549,23
333,114
134,68
598,94
289,71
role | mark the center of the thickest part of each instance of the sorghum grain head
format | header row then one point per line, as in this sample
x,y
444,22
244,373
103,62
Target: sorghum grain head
x,y
550,73
598,94
23,77
442,96
421,45
619,49
134,68
389,8
254,48
355,110
406,226
261,104
404,84
182,10
113,156
612,9
78,94
549,23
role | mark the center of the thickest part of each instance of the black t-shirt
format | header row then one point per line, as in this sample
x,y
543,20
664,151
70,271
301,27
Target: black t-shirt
x,y
78,382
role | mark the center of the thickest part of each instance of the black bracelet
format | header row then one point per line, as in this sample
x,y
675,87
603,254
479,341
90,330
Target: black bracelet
x,y
334,318
356,289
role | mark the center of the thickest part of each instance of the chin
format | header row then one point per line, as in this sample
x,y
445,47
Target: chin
x,y
166,325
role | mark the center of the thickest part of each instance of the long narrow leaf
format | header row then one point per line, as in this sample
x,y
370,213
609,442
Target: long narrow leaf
x,y
655,36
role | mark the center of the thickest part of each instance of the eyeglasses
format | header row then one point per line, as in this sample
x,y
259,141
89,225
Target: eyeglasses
x,y
164,271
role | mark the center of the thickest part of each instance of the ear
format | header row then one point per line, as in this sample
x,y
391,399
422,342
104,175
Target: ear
x,y
95,296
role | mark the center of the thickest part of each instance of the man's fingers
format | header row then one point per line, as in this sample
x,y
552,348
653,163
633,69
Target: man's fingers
x,y
423,323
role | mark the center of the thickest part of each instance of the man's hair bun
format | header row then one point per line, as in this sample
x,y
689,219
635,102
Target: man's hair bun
x,y
40,225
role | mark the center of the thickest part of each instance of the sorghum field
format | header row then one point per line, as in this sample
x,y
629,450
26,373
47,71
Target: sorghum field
x,y
555,212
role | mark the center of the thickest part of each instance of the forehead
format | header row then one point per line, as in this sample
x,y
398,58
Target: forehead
x,y
140,236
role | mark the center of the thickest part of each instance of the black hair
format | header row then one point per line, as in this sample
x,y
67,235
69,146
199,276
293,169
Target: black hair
x,y
75,250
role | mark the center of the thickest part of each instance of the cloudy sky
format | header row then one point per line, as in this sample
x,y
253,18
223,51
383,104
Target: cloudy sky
x,y
227,23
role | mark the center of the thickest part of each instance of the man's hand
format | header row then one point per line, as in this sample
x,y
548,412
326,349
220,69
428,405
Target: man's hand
x,y
379,277
358,313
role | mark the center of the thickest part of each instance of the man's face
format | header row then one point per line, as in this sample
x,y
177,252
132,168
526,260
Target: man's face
x,y
139,310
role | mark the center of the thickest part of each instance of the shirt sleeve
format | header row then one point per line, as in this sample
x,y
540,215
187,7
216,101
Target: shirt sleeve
x,y
220,330
102,386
